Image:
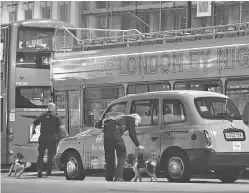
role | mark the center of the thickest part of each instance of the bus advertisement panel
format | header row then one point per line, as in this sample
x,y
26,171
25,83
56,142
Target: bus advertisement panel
x,y
216,61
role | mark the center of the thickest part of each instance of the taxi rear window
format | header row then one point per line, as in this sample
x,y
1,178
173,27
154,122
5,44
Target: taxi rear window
x,y
217,108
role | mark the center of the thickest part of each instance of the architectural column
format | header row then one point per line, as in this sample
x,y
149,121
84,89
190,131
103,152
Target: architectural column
x,y
20,11
4,13
55,10
37,10
74,13
92,21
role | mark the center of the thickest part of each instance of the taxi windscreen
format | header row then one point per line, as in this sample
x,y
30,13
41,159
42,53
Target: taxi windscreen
x,y
217,108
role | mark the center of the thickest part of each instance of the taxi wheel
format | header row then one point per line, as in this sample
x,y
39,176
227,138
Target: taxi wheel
x,y
73,168
177,167
128,174
228,176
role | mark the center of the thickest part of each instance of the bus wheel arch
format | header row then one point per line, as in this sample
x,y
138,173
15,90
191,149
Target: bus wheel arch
x,y
176,165
72,165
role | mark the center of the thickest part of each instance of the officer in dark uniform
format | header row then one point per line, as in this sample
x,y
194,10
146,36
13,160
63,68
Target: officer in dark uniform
x,y
51,126
113,131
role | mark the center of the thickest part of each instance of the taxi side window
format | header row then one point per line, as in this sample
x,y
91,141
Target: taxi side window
x,y
147,109
115,110
173,111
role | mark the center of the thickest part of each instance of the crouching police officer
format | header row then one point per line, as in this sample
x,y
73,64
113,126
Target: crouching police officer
x,y
51,126
113,131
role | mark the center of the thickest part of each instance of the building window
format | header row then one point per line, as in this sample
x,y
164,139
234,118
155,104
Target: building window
x,y
173,19
141,26
101,4
28,8
85,5
12,9
46,9
64,11
127,3
228,13
245,11
101,24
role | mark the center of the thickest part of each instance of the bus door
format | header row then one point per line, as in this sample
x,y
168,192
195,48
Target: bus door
x,y
73,112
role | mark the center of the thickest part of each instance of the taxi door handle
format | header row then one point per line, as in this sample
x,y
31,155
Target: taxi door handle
x,y
154,138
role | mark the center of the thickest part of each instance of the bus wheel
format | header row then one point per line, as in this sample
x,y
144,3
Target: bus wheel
x,y
228,176
73,169
128,174
177,167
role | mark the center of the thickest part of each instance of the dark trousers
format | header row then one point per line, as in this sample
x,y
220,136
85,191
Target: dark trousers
x,y
110,145
48,143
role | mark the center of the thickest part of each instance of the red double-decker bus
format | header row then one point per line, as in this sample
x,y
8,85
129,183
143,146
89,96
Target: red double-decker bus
x,y
26,47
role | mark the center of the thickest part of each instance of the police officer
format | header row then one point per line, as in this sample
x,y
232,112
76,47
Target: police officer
x,y
113,131
51,126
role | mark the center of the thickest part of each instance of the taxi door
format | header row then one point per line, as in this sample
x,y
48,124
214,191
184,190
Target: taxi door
x,y
149,130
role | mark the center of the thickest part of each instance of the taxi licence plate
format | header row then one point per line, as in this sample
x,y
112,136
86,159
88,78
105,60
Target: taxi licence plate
x,y
234,135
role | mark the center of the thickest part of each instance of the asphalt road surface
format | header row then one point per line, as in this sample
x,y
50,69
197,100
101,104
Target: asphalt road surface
x,y
31,184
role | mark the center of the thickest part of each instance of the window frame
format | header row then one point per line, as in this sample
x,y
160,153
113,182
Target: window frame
x,y
31,87
34,29
198,81
118,103
226,90
148,84
183,108
204,117
147,99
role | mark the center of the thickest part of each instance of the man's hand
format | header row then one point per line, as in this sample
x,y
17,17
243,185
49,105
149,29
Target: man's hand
x,y
141,147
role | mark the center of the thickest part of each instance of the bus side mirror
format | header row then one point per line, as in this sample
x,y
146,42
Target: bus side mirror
x,y
98,124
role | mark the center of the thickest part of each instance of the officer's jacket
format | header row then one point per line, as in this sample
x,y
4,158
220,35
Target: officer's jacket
x,y
119,125
50,123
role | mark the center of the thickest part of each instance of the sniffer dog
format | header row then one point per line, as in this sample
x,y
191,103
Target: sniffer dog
x,y
139,166
18,165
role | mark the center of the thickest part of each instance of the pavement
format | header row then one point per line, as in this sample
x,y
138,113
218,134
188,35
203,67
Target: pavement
x,y
29,183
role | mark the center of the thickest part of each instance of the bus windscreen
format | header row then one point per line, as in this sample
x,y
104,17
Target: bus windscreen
x,y
32,97
35,39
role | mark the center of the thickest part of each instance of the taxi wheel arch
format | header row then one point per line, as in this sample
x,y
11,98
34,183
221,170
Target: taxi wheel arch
x,y
228,175
73,156
181,156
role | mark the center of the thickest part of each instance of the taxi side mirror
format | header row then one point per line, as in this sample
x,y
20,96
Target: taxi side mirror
x,y
98,124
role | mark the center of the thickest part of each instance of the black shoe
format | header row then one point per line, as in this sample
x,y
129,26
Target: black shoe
x,y
48,173
39,174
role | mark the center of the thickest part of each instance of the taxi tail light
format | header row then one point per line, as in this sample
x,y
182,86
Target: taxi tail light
x,y
208,138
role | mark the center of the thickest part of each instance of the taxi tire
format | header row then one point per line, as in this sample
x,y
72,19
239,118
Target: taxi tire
x,y
81,173
226,176
128,174
186,176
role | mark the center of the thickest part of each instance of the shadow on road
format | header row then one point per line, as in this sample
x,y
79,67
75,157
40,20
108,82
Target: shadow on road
x,y
205,182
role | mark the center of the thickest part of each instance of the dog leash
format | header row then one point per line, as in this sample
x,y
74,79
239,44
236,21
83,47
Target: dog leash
x,y
27,142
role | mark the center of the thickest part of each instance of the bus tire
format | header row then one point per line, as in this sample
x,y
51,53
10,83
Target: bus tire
x,y
177,167
128,174
228,176
73,169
